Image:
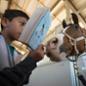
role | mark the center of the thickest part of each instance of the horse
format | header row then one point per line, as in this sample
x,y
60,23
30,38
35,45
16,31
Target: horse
x,y
71,42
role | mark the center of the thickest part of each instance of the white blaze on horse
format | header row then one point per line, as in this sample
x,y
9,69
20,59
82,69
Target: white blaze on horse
x,y
69,43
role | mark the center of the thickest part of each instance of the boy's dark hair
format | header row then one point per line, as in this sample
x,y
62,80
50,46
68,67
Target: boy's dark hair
x,y
12,13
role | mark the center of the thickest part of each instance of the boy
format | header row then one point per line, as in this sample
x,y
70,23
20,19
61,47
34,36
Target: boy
x,y
12,24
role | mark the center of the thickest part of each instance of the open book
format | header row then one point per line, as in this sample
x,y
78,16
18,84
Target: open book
x,y
36,27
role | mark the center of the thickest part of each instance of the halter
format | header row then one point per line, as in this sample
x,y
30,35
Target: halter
x,y
73,41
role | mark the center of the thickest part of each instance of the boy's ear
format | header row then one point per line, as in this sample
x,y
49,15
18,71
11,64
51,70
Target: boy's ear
x,y
4,22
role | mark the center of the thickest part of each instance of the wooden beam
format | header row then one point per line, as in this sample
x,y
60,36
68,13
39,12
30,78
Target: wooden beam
x,y
26,3
41,3
68,18
14,4
82,8
20,7
57,2
71,6
9,3
59,10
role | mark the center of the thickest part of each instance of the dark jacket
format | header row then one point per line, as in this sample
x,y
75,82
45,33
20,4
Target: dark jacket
x,y
17,75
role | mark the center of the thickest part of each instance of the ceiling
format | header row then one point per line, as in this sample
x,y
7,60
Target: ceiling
x,y
60,9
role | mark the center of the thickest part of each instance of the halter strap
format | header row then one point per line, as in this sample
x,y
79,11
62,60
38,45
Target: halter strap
x,y
75,40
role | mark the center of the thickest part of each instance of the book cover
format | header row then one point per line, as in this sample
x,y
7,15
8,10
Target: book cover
x,y
36,27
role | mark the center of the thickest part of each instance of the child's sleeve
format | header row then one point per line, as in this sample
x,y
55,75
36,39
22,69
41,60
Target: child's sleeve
x,y
17,75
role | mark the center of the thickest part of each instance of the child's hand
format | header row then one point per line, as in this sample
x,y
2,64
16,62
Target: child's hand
x,y
38,53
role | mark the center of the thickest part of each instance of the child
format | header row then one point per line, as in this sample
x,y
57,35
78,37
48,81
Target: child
x,y
12,24
17,75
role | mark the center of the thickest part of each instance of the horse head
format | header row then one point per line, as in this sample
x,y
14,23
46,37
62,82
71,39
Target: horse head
x,y
69,43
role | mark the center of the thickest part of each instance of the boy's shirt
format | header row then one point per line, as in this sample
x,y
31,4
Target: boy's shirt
x,y
3,53
10,51
8,56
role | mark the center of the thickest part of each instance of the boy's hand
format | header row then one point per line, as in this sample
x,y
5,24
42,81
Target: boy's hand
x,y
38,53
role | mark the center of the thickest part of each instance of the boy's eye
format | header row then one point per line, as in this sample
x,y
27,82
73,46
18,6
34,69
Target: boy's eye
x,y
22,23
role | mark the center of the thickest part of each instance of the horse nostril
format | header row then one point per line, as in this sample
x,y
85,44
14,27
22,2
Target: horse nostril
x,y
55,41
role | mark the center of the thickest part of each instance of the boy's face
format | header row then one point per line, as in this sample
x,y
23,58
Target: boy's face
x,y
15,27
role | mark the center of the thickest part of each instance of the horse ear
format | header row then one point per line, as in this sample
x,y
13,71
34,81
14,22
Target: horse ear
x,y
75,18
64,24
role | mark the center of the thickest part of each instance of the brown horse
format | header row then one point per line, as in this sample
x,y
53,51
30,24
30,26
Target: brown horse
x,y
69,43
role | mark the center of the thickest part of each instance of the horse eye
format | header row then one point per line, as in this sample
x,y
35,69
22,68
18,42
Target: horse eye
x,y
76,26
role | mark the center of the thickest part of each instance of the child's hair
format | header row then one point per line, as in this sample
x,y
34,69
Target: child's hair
x,y
12,13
